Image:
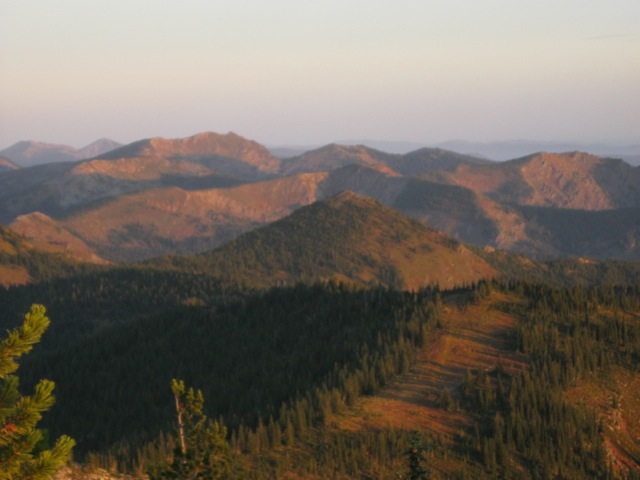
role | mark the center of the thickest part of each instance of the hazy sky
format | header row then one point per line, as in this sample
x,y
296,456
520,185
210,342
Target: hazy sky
x,y
316,71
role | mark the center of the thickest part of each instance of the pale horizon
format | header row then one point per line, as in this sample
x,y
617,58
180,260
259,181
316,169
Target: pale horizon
x,y
293,73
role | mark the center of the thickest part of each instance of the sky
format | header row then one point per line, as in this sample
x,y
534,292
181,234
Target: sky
x,y
311,72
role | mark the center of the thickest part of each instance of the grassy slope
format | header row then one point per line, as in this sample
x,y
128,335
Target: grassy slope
x,y
22,262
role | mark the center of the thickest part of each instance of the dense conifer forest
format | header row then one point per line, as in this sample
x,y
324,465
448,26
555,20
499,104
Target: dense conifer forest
x,y
275,366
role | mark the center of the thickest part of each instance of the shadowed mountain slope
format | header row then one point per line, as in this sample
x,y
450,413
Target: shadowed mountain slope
x,y
363,180
57,189
427,160
27,190
599,234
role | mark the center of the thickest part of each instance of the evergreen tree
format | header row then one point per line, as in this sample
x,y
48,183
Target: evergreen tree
x,y
202,451
415,457
20,457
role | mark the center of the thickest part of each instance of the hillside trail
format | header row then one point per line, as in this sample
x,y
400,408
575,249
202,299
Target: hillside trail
x,y
473,336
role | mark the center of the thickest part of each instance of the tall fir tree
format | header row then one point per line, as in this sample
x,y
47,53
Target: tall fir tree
x,y
20,457
202,451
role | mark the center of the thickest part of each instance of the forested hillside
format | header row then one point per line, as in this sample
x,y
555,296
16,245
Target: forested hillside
x,y
348,238
326,342
282,367
254,357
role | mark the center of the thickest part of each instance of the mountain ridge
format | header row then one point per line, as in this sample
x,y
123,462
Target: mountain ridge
x,y
30,153
227,184
332,156
199,147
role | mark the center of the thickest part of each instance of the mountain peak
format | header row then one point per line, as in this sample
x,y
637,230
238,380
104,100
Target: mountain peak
x,y
201,145
575,157
333,156
571,180
348,196
349,237
99,147
29,153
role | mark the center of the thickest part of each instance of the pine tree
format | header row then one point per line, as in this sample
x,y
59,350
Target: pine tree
x,y
202,451
415,457
19,437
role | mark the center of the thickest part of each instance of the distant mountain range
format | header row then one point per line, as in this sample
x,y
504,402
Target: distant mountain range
x,y
159,196
508,150
29,153
495,151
